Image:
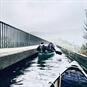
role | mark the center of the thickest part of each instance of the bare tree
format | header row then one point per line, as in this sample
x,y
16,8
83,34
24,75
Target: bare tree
x,y
85,33
84,46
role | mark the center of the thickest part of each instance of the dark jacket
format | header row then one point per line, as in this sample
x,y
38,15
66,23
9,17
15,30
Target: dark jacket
x,y
43,49
52,47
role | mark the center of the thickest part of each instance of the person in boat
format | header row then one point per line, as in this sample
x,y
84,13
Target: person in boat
x,y
51,46
43,48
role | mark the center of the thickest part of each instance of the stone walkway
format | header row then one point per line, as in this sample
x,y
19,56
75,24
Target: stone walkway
x,y
8,51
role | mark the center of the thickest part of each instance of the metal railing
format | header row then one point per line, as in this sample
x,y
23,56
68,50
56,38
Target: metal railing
x,y
13,37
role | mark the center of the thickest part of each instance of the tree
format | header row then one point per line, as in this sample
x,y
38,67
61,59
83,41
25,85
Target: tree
x,y
84,46
85,33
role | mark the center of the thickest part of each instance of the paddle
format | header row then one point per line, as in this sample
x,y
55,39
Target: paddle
x,y
58,52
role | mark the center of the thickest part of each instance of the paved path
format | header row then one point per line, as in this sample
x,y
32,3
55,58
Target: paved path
x,y
8,51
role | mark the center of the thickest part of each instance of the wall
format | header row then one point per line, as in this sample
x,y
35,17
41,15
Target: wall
x,y
8,60
81,59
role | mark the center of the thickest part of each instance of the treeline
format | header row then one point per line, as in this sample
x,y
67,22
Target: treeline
x,y
67,45
84,46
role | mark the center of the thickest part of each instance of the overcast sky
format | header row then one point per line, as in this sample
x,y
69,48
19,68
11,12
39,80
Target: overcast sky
x,y
60,16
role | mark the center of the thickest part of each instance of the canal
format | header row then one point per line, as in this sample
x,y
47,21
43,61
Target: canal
x,y
34,72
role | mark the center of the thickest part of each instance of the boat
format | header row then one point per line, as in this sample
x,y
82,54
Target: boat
x,y
73,76
42,55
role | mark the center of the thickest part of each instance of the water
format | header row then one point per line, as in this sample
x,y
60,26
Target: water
x,y
36,73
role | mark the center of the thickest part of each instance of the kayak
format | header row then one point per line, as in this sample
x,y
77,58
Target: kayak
x,y
45,55
73,76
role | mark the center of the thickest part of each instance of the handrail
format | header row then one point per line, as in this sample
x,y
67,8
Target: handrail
x,y
13,37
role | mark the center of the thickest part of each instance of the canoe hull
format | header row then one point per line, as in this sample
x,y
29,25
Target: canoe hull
x,y
45,55
74,76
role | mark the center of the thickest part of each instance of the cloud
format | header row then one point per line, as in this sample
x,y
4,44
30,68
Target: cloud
x,y
39,15
44,15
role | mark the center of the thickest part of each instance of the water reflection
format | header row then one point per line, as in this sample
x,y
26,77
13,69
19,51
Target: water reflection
x,y
32,73
9,75
41,65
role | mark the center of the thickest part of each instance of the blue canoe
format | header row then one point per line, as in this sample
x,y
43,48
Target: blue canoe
x,y
74,76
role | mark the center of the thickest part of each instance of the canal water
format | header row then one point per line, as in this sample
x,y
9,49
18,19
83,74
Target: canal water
x,y
34,73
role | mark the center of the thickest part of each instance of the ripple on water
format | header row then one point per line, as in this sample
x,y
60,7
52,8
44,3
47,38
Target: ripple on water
x,y
37,73
41,73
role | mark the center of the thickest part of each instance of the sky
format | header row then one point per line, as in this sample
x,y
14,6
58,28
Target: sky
x,y
51,18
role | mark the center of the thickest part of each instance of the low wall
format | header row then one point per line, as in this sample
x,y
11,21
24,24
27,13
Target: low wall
x,y
12,58
82,60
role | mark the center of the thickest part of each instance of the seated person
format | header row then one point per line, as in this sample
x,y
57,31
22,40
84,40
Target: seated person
x,y
51,46
43,48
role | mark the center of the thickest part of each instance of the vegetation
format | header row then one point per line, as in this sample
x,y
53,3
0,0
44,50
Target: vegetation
x,y
84,46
